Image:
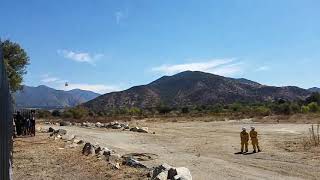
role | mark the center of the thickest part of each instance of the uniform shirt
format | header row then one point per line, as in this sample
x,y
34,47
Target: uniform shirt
x,y
244,136
253,134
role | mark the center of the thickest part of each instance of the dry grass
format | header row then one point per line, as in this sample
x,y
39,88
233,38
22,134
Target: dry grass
x,y
314,137
305,143
38,158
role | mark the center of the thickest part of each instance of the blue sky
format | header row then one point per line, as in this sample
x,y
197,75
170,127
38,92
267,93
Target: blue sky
x,y
112,45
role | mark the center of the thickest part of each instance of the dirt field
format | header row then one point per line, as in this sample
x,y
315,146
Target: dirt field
x,y
208,148
38,158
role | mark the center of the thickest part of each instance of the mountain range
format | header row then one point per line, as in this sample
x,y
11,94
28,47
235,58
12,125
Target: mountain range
x,y
191,88
49,98
314,89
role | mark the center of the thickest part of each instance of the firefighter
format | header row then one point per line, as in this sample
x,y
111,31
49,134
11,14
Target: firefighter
x,y
33,123
254,140
19,120
244,136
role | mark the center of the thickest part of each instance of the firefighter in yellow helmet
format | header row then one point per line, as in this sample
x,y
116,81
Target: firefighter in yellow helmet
x,y
254,139
244,136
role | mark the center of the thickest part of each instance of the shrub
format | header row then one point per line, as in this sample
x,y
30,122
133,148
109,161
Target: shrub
x,y
55,113
67,114
263,111
164,109
305,109
313,107
135,111
44,114
185,110
314,97
76,113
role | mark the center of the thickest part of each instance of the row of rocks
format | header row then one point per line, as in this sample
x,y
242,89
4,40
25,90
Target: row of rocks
x,y
111,125
162,172
90,149
110,156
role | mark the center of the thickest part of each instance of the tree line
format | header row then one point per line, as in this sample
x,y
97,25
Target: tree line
x,y
278,107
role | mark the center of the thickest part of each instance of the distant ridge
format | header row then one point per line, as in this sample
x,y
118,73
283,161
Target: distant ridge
x,y
46,97
191,88
314,89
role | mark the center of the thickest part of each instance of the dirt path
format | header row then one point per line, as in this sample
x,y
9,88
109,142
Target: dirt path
x,y
207,149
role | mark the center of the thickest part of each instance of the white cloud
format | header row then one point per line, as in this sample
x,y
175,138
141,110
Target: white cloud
x,y
228,70
262,68
80,56
46,78
98,88
217,66
49,80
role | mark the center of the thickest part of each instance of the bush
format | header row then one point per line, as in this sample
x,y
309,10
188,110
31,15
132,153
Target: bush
x,y
164,109
185,110
236,107
313,107
305,109
135,111
283,108
44,114
67,114
263,111
55,113
315,97
76,113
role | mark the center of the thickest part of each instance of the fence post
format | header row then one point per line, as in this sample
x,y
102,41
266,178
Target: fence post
x,y
5,123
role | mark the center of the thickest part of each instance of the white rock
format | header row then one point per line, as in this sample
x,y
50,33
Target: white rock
x,y
162,176
67,137
159,169
180,173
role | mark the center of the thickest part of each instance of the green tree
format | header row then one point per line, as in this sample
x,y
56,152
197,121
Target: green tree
x,y
305,109
313,107
262,110
79,112
16,61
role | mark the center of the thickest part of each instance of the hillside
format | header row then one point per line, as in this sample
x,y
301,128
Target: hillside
x,y
194,88
314,89
46,97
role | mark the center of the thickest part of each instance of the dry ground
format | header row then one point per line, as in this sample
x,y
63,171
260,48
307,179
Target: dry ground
x,y
38,158
206,147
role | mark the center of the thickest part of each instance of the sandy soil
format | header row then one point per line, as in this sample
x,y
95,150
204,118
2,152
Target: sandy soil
x,y
208,148
40,158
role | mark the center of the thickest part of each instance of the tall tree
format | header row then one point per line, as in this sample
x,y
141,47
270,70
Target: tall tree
x,y
16,61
